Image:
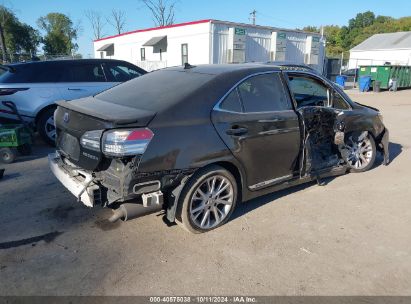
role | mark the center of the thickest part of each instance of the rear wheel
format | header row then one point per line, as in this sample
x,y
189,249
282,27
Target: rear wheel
x,y
208,200
45,126
7,155
361,151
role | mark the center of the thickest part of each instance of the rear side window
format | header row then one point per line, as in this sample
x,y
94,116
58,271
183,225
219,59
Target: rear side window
x,y
264,93
121,72
33,73
84,73
232,102
47,73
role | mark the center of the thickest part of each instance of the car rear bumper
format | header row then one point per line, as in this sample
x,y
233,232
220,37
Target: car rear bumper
x,y
78,182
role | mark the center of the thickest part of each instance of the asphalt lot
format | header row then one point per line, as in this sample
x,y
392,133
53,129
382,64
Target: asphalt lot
x,y
351,237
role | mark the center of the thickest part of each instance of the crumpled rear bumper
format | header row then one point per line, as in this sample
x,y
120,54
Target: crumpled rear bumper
x,y
78,182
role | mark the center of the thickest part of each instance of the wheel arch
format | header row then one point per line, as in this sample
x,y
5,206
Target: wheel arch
x,y
46,108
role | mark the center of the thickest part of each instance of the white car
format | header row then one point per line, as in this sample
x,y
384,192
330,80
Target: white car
x,y
35,86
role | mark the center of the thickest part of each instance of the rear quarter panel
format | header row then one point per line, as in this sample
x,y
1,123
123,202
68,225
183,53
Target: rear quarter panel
x,y
183,145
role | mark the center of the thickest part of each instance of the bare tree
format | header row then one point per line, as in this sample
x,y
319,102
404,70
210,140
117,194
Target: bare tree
x,y
97,23
162,11
117,20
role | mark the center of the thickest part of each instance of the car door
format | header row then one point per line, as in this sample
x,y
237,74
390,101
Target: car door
x,y
320,108
83,79
257,122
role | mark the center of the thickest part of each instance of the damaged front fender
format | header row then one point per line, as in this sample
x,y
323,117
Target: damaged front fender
x,y
384,145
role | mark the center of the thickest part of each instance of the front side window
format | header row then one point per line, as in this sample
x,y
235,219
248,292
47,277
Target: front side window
x,y
308,91
264,93
184,53
338,102
84,73
122,73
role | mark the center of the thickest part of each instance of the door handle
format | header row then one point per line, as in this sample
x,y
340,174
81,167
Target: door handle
x,y
74,89
237,131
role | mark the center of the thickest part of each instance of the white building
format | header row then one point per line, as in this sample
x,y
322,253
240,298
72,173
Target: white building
x,y
212,41
379,49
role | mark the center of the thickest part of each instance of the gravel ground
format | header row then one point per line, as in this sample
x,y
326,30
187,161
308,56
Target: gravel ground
x,y
351,237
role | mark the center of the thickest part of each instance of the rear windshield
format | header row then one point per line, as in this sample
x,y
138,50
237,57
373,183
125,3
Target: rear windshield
x,y
157,90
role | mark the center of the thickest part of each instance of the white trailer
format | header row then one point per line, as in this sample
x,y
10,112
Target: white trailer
x,y
212,41
380,49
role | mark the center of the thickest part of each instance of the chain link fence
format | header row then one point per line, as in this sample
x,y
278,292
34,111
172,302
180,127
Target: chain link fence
x,y
24,57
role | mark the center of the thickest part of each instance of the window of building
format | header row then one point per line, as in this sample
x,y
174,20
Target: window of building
x,y
184,53
264,93
143,54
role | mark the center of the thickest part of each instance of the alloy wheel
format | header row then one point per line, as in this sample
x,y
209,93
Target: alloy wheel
x,y
211,202
359,151
50,129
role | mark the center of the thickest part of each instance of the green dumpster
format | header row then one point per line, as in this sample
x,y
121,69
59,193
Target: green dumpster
x,y
383,74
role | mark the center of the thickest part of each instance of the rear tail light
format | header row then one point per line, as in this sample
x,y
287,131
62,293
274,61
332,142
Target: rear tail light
x,y
11,91
126,142
91,140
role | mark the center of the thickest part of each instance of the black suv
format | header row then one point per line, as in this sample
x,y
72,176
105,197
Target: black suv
x,y
35,86
197,140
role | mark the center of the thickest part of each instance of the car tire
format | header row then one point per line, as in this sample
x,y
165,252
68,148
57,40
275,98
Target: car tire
x,y
361,151
8,155
45,126
204,205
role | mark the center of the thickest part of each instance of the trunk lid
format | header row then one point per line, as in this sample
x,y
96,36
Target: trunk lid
x,y
73,119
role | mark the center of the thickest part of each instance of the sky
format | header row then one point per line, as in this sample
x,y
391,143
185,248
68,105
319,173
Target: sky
x,y
277,13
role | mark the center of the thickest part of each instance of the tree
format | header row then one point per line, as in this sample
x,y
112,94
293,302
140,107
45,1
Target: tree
x,y
163,11
16,38
117,20
362,20
311,28
97,23
60,34
333,46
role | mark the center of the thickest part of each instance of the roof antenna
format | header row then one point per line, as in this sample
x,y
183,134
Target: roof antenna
x,y
188,66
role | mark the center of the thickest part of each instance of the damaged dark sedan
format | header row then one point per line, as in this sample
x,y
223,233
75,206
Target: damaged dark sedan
x,y
196,141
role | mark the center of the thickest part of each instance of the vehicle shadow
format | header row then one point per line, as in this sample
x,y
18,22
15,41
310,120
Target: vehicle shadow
x,y
258,202
395,150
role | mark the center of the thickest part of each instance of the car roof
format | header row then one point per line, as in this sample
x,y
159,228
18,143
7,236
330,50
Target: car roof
x,y
68,61
218,69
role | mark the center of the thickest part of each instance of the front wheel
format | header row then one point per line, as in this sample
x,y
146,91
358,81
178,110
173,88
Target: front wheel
x,y
360,151
208,200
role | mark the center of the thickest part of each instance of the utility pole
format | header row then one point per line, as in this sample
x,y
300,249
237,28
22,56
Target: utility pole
x,y
253,16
